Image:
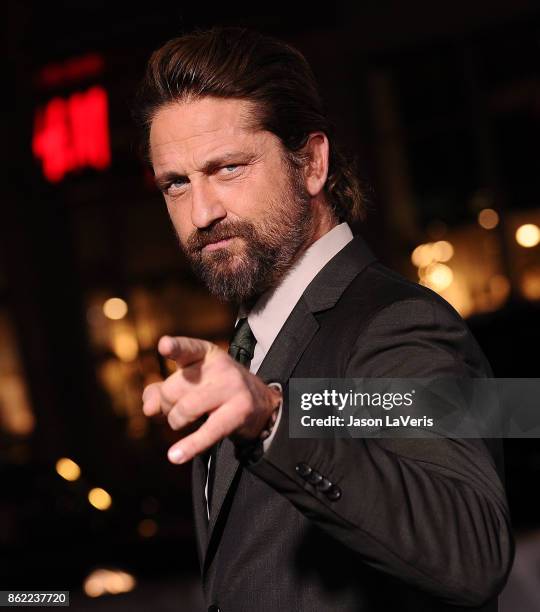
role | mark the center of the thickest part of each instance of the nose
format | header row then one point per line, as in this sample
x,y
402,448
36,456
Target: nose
x,y
206,206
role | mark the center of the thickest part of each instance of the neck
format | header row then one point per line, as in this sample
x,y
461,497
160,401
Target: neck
x,y
323,220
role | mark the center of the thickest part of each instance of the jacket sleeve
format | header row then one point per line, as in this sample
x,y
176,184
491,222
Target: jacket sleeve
x,y
431,512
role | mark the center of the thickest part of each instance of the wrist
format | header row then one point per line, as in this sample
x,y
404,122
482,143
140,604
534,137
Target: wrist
x,y
277,402
250,451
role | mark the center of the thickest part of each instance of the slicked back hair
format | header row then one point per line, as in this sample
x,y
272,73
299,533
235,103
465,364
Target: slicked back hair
x,y
240,63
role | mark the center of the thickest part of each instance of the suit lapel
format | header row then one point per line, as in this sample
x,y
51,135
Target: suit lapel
x,y
322,293
198,482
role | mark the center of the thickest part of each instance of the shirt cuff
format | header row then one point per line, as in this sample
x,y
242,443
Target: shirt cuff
x,y
268,441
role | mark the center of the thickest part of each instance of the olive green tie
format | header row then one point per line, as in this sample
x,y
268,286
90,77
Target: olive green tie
x,y
242,343
241,348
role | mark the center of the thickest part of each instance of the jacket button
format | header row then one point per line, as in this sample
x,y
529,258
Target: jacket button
x,y
314,478
324,485
214,608
303,469
333,493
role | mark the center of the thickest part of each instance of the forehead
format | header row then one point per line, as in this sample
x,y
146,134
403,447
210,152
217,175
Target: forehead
x,y
201,127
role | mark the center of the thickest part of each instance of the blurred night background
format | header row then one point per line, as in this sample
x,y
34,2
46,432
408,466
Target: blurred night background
x,y
441,104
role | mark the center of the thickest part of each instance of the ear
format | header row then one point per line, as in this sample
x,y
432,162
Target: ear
x,y
317,149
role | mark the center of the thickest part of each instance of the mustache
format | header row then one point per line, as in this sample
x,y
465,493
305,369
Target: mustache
x,y
201,238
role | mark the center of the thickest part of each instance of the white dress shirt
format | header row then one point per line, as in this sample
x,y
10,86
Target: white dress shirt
x,y
273,308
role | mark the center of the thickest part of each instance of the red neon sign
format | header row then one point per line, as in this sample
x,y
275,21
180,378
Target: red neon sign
x,y
71,70
73,134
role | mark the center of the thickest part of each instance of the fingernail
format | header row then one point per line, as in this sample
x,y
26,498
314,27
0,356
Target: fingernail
x,y
176,455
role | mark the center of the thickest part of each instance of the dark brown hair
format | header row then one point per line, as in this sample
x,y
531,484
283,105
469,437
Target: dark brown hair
x,y
236,62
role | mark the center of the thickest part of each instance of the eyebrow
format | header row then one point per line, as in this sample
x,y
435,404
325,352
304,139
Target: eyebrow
x,y
163,180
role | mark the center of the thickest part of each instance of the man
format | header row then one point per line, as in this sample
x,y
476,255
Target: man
x,y
261,201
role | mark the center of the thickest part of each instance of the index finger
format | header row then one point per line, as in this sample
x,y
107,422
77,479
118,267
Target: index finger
x,y
184,350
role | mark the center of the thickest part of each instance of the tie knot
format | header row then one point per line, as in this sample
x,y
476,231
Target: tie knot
x,y
242,343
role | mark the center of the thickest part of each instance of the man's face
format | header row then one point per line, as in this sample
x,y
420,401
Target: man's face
x,y
240,214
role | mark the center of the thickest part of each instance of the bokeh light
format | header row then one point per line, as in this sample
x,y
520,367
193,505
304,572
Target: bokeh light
x,y
528,235
115,309
488,218
108,582
99,498
68,469
125,346
437,276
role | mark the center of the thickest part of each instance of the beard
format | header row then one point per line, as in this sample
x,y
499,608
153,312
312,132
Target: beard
x,y
261,252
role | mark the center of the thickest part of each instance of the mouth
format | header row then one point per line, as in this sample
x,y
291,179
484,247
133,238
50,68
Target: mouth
x,y
213,246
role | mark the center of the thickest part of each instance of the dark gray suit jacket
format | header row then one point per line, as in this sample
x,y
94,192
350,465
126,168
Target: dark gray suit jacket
x,y
421,524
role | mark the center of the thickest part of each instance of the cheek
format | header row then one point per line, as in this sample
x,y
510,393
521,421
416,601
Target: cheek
x,y
250,203
181,220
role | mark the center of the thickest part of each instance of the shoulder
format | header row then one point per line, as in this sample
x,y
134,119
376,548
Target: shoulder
x,y
402,324
378,290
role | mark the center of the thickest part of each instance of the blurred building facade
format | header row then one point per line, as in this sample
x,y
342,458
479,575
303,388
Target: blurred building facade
x,y
440,107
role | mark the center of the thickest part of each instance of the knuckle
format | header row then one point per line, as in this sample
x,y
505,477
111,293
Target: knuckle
x,y
213,349
173,420
216,427
187,407
167,391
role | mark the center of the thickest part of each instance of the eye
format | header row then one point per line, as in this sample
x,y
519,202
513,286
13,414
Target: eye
x,y
233,166
175,186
